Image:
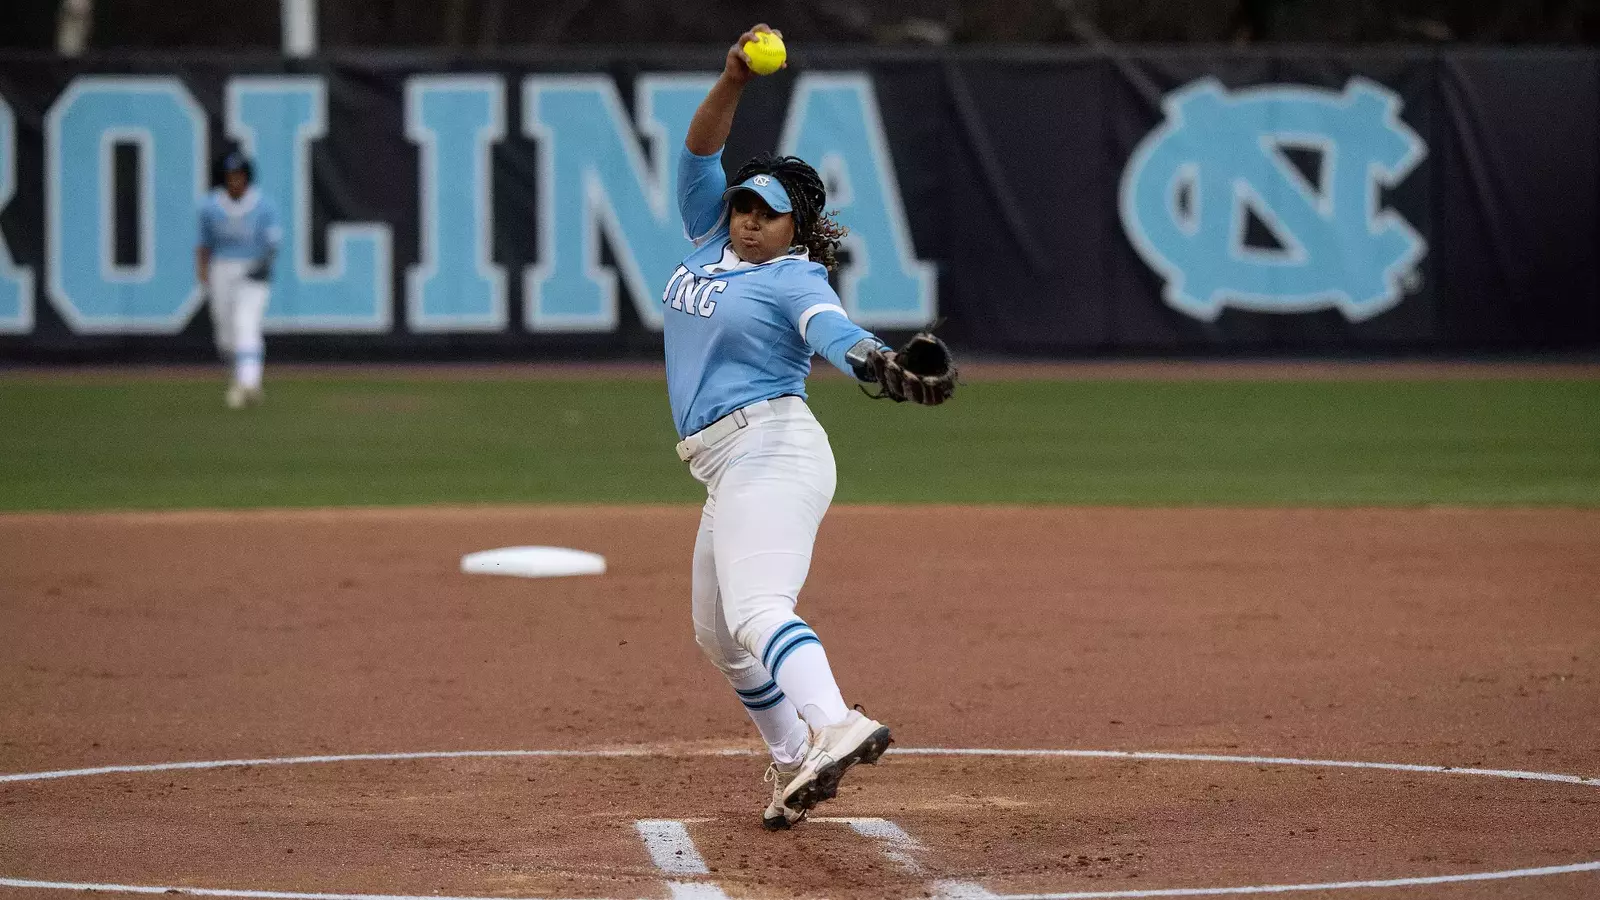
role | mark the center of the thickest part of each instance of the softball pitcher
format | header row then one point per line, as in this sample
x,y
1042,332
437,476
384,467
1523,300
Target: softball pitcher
x,y
239,237
743,315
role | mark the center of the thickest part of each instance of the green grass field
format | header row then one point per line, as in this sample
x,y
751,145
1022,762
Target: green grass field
x,y
375,440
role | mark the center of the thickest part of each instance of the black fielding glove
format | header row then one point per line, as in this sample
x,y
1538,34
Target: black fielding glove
x,y
921,371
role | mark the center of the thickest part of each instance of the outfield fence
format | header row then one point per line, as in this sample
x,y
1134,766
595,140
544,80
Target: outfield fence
x,y
1042,201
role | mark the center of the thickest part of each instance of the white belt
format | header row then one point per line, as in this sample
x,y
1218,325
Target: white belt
x,y
731,424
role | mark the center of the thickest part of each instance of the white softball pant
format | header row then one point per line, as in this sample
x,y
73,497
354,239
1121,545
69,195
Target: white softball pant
x,y
237,308
768,485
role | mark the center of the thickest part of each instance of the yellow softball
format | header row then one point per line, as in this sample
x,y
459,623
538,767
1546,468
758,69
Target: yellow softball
x,y
766,53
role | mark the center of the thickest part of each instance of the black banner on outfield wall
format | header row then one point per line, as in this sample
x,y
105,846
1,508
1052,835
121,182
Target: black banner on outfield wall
x,y
1042,202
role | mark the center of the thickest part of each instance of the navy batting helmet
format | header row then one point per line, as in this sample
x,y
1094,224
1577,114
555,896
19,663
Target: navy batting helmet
x,y
238,162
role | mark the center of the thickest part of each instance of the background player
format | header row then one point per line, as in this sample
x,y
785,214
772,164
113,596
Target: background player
x,y
239,237
744,313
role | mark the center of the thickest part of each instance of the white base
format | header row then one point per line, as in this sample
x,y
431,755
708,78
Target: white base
x,y
533,562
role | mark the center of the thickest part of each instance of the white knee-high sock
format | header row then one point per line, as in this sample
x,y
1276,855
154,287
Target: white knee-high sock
x,y
794,656
775,717
247,366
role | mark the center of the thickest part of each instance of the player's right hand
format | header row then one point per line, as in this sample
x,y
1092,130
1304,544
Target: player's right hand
x,y
737,68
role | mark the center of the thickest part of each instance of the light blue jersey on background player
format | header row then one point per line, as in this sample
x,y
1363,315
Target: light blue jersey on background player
x,y
743,315
238,241
242,229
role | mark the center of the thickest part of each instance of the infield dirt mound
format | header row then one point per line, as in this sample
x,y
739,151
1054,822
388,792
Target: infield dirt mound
x,y
1459,637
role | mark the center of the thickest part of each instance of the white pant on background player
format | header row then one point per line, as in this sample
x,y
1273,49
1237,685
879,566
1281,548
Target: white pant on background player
x,y
238,305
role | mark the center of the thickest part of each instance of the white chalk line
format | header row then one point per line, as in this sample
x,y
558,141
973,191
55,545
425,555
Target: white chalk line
x,y
961,890
695,890
1259,760
703,891
670,847
232,892
909,751
895,843
1326,886
348,757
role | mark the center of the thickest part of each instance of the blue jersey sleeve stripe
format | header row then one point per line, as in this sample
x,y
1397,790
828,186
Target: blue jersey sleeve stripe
x,y
833,336
805,317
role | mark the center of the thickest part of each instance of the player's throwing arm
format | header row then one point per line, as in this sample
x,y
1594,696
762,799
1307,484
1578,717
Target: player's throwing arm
x,y
744,313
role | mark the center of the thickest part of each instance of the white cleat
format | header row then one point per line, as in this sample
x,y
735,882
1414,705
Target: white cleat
x,y
779,817
237,396
834,749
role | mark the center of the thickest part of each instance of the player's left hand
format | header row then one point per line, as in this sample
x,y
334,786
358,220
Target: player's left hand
x,y
262,270
921,371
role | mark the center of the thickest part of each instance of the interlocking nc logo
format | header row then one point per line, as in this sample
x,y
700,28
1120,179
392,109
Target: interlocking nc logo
x,y
762,181
1223,158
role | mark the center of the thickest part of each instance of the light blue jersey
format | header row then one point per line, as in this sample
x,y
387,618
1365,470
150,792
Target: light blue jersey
x,y
246,228
737,333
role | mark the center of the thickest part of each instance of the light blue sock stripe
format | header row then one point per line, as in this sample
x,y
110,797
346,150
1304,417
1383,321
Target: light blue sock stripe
x,y
789,648
761,697
777,637
769,703
756,692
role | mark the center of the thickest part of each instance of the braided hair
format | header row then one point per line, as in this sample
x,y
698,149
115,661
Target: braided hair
x,y
814,228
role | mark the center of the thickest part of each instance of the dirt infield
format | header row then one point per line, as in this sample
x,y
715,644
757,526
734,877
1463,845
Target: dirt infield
x,y
1464,638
